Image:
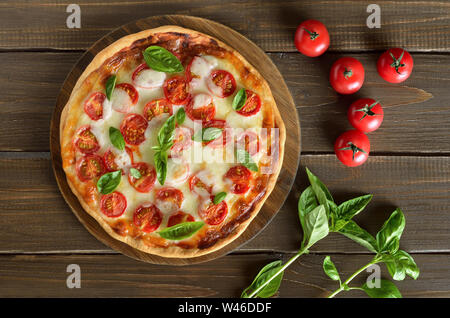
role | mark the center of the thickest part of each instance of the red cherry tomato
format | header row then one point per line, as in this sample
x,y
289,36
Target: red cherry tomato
x,y
109,159
201,107
312,38
85,141
176,90
179,217
170,198
113,205
212,214
90,167
240,178
365,114
347,75
252,104
133,129
147,217
157,107
201,184
223,139
249,141
146,181
352,148
182,140
93,106
221,83
395,65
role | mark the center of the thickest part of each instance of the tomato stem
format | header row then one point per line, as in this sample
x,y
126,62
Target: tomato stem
x,y
397,62
312,35
367,110
353,148
347,73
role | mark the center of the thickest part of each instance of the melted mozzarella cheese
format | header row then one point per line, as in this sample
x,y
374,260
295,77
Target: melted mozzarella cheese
x,y
149,78
201,100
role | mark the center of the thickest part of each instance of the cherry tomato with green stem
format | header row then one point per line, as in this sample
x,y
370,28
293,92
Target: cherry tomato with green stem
x,y
312,38
365,114
347,75
352,148
395,65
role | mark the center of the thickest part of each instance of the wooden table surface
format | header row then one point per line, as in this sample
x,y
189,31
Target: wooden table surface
x,y
409,165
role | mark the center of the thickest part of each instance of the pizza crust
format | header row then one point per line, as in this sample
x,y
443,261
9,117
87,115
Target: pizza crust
x,y
66,136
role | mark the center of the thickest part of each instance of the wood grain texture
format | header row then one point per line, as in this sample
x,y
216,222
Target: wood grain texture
x,y
119,276
35,218
415,25
417,112
284,102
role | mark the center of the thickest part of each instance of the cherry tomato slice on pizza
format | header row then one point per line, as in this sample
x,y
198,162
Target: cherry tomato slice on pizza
x,y
90,167
221,83
347,75
93,106
240,178
223,139
182,140
212,214
249,141
169,198
124,97
144,77
147,180
352,148
395,65
147,217
176,90
312,38
252,104
109,158
201,107
179,217
365,114
133,129
201,183
85,141
157,107
113,205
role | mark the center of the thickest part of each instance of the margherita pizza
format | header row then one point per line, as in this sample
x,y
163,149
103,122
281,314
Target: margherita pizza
x,y
172,141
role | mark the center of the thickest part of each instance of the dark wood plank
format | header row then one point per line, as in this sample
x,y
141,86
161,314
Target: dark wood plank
x,y
119,276
31,206
417,112
417,26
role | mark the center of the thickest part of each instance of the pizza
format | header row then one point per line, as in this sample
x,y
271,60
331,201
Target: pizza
x,y
171,141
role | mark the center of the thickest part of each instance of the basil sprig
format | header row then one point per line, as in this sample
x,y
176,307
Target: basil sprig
x,y
239,99
319,215
109,182
181,231
244,158
116,138
110,85
207,134
159,59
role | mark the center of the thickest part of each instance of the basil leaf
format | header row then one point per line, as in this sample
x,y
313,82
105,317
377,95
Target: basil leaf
x,y
219,197
160,158
181,231
392,229
159,59
167,132
316,226
180,116
110,85
321,191
348,209
239,99
401,264
207,134
306,204
387,290
330,269
359,235
264,275
135,173
116,138
244,158
109,182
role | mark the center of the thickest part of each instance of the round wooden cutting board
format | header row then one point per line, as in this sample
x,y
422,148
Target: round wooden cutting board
x,y
252,54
